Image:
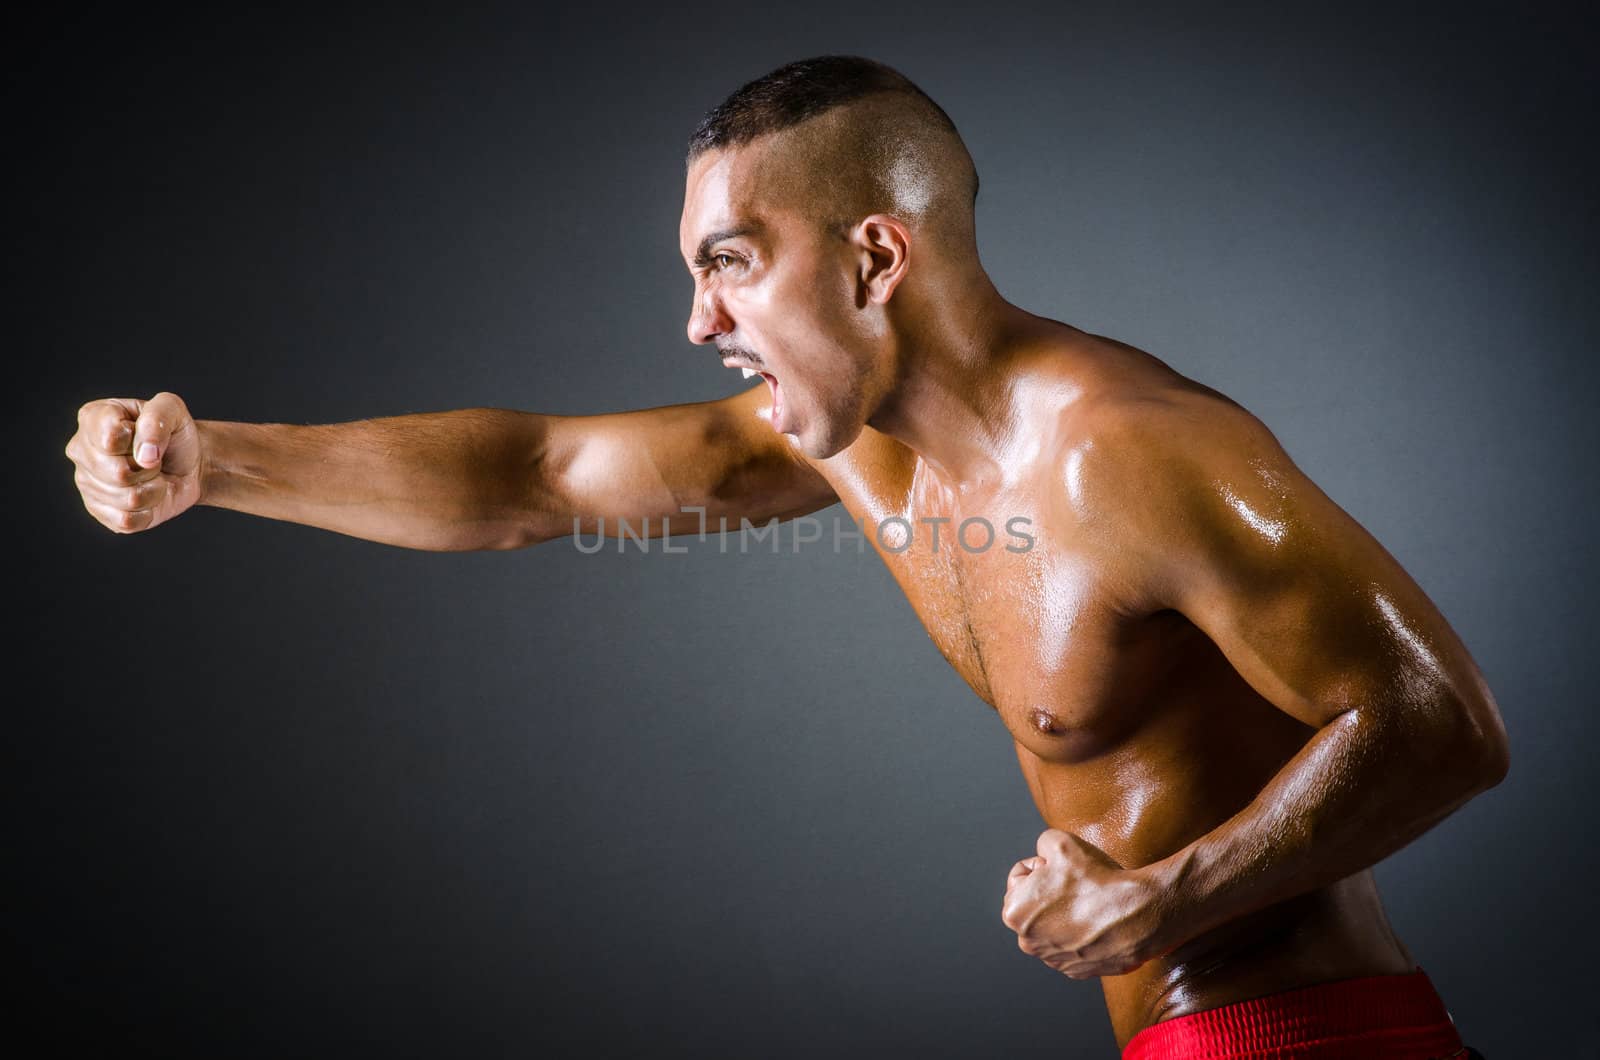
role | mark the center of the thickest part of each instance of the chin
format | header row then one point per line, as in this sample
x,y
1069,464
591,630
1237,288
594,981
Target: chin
x,y
831,441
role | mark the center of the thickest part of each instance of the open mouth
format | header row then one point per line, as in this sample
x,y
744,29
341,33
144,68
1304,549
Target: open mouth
x,y
777,394
777,400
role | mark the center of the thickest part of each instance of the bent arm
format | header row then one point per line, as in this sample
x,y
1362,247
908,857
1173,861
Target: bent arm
x,y
499,479
1325,624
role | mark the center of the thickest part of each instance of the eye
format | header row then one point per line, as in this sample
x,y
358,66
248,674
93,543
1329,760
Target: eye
x,y
724,260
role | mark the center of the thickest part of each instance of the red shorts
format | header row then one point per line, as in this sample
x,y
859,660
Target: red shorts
x,y
1380,1017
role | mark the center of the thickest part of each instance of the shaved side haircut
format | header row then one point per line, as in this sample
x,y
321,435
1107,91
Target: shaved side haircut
x,y
851,137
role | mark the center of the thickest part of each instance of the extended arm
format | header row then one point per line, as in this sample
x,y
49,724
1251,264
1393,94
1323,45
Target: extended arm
x,y
468,479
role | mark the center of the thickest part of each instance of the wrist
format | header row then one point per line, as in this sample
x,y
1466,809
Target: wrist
x,y
1170,908
207,469
219,453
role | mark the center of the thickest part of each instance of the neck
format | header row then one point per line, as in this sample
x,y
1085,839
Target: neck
x,y
949,399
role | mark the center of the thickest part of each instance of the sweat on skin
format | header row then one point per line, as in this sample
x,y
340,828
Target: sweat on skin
x,y
1227,699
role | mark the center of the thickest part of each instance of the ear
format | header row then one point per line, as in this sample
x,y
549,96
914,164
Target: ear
x,y
884,247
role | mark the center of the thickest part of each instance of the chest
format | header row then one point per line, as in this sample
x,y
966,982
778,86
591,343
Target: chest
x,y
1026,610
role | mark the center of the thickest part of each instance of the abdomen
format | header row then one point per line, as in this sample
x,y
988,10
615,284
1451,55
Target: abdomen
x,y
1204,746
1200,755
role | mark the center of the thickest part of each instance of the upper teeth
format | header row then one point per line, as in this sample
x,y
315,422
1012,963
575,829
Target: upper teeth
x,y
748,372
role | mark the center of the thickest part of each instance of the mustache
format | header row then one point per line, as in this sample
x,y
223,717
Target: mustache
x,y
735,349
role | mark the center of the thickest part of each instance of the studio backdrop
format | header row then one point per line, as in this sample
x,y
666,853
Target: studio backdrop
x,y
277,792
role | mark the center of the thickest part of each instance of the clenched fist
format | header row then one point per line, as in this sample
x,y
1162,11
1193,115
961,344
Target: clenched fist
x,y
138,462
1080,912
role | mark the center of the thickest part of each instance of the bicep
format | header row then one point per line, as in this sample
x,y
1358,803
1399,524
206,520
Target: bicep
x,y
653,463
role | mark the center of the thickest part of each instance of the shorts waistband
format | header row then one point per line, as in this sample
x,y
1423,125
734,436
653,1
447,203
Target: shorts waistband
x,y
1366,1018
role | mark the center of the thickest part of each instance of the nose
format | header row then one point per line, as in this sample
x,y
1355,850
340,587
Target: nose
x,y
708,318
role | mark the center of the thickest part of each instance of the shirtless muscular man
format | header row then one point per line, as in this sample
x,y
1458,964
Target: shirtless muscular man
x,y
1228,700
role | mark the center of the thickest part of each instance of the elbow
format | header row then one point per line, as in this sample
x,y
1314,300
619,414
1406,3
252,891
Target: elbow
x,y
523,534
1494,755
507,527
1479,752
1489,739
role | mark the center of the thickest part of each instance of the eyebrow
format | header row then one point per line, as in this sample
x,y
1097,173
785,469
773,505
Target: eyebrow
x,y
702,255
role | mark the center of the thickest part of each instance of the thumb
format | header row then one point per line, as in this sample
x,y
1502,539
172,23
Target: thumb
x,y
158,419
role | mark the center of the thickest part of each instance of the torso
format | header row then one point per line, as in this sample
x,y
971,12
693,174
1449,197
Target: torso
x,y
1132,730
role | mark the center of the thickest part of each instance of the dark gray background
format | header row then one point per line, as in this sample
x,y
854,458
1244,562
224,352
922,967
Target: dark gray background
x,y
279,792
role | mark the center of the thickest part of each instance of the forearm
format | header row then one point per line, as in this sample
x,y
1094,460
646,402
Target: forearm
x,y
1363,787
448,481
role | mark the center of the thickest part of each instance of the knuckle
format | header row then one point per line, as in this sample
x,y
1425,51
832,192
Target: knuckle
x,y
169,408
100,512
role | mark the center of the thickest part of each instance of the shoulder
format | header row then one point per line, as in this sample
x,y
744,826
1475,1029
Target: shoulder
x,y
1182,484
1131,424
1126,446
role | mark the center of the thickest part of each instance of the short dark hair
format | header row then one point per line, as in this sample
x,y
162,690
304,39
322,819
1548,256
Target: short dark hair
x,y
798,91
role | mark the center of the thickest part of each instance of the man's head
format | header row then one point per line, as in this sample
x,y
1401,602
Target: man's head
x,y
823,202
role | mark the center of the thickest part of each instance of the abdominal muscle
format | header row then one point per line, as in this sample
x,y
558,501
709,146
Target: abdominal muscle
x,y
1337,932
1194,762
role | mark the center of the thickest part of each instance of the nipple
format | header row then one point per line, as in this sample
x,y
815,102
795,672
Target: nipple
x,y
1045,722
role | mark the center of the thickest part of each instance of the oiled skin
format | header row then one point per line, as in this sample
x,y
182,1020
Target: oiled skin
x,y
1132,729
1227,699
1210,671
1193,620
